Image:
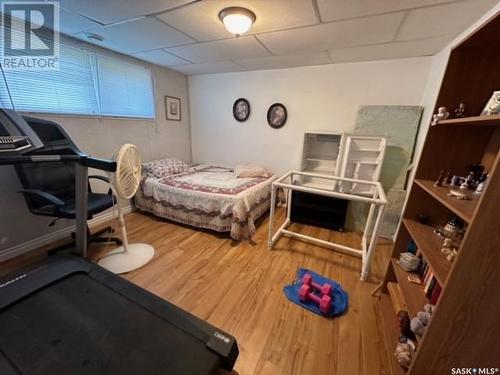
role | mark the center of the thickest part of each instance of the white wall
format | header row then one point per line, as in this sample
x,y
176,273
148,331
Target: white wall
x,y
321,97
317,98
100,137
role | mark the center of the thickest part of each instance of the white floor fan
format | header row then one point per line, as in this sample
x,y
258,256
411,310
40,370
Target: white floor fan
x,y
125,182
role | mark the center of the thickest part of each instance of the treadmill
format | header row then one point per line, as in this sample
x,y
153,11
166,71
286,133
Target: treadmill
x,y
66,315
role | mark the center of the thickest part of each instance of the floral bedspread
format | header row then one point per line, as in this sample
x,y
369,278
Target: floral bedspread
x,y
208,197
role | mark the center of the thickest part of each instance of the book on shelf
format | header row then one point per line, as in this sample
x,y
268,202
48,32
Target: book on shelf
x,y
429,286
428,280
432,289
427,277
436,292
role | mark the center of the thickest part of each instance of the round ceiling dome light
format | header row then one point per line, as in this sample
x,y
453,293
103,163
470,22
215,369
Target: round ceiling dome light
x,y
237,20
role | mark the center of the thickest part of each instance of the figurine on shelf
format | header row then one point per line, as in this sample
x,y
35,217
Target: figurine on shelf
x,y
480,187
404,352
493,105
442,114
451,256
449,250
454,227
477,171
447,245
460,195
476,176
421,321
404,324
468,183
460,110
439,181
440,233
456,180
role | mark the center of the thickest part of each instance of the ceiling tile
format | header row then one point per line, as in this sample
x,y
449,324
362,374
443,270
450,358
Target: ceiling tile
x,y
200,20
334,10
221,50
393,50
208,68
72,23
110,11
369,30
443,19
160,57
277,62
139,35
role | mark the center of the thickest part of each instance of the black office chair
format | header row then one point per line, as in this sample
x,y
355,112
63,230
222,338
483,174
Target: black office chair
x,y
49,188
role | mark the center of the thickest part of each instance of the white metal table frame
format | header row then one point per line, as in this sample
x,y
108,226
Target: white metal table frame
x,y
377,203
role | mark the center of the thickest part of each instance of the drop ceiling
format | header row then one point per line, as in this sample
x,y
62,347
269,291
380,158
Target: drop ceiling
x,y
187,36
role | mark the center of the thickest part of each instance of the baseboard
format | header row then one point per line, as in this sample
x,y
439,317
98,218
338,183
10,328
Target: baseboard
x,y
57,235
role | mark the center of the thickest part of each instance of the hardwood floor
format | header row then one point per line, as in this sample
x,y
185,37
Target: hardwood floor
x,y
239,288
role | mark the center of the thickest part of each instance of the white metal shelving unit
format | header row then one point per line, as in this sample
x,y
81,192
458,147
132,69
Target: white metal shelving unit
x,y
376,199
320,155
343,166
362,160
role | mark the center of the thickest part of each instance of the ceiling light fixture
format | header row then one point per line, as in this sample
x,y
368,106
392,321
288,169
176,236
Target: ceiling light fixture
x,y
94,37
237,20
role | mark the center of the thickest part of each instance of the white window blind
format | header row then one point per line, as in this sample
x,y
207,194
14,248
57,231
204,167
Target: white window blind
x,y
69,90
5,101
85,84
124,89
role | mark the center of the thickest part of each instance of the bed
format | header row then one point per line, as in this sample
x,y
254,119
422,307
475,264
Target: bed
x,y
209,197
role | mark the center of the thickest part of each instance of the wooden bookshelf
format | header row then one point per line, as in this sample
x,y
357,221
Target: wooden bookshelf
x,y
493,120
429,244
464,209
464,328
390,328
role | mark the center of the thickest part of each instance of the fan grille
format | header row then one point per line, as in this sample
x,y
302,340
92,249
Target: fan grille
x,y
128,171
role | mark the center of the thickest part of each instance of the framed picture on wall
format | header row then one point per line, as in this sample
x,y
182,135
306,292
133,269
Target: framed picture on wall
x,y
276,115
173,108
241,109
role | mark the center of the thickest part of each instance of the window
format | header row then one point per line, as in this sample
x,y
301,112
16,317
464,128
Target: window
x,y
132,96
5,101
85,84
68,90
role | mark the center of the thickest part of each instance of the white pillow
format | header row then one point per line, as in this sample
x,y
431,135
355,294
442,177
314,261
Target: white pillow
x,y
251,170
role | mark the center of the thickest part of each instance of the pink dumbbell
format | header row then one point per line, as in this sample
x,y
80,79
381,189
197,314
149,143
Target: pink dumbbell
x,y
325,289
324,302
